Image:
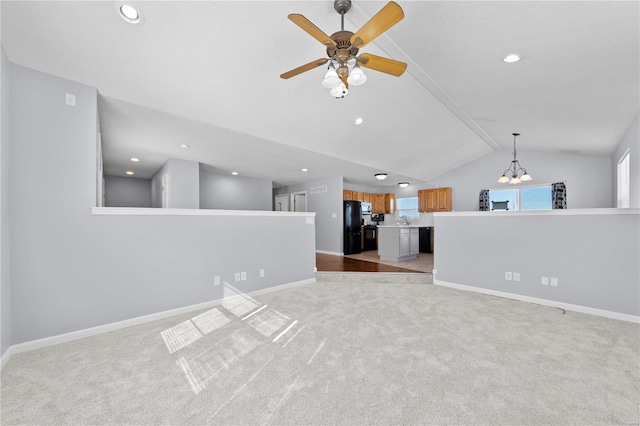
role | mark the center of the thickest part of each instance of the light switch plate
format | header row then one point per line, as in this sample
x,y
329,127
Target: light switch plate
x,y
507,276
545,281
516,276
554,281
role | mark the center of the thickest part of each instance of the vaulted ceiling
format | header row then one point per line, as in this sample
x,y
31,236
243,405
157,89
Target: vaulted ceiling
x,y
206,74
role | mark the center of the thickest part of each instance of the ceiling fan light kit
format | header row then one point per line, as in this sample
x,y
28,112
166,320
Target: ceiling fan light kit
x,y
343,47
515,168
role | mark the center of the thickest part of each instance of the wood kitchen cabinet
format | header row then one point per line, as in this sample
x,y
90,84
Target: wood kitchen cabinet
x,y
358,196
366,197
347,195
435,200
383,203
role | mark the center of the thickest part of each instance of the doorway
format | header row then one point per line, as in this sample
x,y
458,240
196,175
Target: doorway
x,y
282,203
299,201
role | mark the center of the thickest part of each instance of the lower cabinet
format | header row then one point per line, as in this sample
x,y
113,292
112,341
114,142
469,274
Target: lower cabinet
x,y
398,243
405,243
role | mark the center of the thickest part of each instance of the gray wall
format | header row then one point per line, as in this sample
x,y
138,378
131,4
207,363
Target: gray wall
x,y
5,283
329,236
631,141
588,177
127,192
72,270
227,192
595,257
184,184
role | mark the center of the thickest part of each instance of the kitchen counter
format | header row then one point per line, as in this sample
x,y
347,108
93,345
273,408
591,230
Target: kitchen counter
x,y
399,242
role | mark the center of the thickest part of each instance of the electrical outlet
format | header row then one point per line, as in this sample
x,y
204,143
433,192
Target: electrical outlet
x,y
70,99
243,276
507,276
261,273
516,276
554,281
237,276
545,281
216,280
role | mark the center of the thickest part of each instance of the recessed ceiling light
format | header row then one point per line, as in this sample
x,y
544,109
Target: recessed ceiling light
x,y
305,170
511,58
358,121
184,146
381,176
134,159
234,173
130,13
130,173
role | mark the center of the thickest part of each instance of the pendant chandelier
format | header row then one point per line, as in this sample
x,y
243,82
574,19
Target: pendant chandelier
x,y
515,168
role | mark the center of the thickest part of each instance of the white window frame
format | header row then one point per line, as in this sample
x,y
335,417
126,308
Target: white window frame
x,y
398,210
516,208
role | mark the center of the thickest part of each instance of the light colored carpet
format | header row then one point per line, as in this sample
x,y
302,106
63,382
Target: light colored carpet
x,y
340,353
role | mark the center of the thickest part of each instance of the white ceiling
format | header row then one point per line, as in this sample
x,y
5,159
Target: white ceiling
x,y
207,74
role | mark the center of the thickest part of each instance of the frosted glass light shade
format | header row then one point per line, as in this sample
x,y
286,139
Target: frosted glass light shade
x,y
356,77
525,177
515,180
503,179
339,92
331,79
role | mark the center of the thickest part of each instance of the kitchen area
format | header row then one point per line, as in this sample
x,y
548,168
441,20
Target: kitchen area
x,y
379,237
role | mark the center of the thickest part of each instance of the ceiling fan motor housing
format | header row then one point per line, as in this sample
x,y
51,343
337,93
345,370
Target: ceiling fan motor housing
x,y
342,51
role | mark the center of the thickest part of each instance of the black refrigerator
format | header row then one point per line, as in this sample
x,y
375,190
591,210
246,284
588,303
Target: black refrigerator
x,y
352,227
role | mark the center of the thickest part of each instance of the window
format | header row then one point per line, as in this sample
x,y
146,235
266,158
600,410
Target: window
x,y
522,198
407,208
623,181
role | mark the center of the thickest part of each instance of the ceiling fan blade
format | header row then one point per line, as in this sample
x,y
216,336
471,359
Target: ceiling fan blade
x,y
386,18
311,29
311,65
378,63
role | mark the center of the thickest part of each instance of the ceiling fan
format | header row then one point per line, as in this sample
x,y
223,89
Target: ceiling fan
x,y
343,47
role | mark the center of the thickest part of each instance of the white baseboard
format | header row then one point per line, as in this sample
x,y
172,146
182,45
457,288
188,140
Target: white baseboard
x,y
93,331
329,252
546,302
6,356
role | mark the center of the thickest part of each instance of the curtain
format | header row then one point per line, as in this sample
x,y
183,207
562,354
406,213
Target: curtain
x,y
484,200
558,195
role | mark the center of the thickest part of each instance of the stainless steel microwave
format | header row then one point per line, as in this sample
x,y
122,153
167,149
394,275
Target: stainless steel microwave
x,y
366,208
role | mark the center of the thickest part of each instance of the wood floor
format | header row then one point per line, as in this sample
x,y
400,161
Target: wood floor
x,y
334,263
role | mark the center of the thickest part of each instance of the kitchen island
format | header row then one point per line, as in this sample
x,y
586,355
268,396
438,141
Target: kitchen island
x,y
398,242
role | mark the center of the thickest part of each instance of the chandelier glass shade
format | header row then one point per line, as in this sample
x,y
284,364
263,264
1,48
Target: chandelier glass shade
x,y
331,79
515,173
353,73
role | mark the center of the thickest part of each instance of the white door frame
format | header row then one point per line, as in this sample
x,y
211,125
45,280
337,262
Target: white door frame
x,y
292,205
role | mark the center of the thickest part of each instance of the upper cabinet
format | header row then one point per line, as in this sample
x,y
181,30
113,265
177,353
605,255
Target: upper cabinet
x,y
383,203
435,200
380,203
